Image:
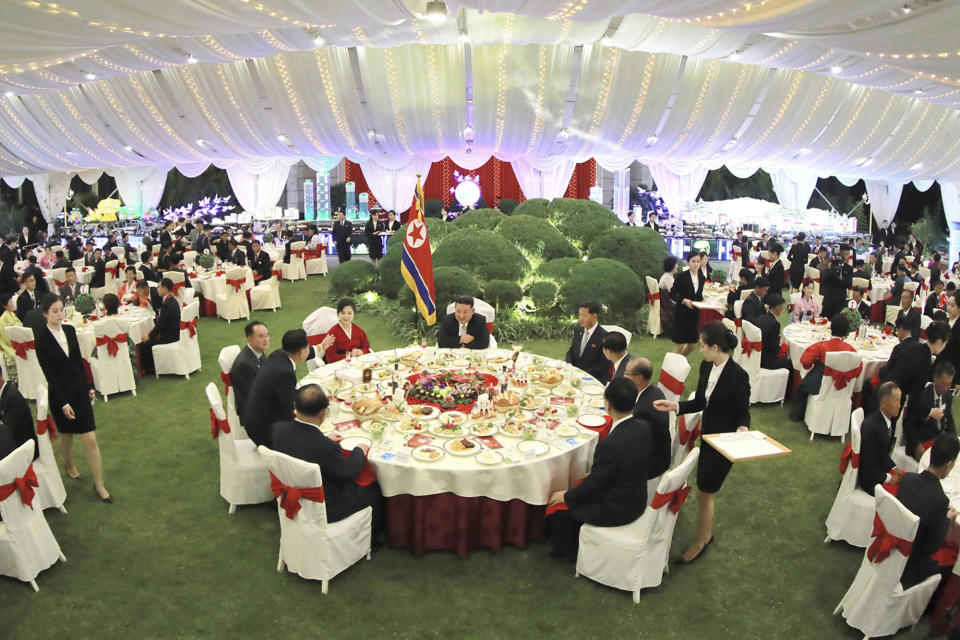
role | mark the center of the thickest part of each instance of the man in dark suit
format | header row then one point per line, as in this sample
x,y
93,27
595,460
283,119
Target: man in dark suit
x,y
752,307
301,438
640,372
147,296
931,412
146,267
770,335
248,362
166,236
893,296
586,350
775,273
166,329
876,441
614,493
463,327
951,352
15,415
911,369
922,493
857,303
8,256
272,394
933,300
71,289
28,300
342,232
61,262
259,261
99,278
237,255
909,314
835,280
202,243
615,350
40,282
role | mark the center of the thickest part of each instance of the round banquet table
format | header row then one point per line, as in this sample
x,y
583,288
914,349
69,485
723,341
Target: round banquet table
x,y
455,502
139,321
714,303
875,349
210,284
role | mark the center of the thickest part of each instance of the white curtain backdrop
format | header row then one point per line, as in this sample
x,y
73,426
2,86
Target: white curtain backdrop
x,y
192,169
550,182
884,200
140,188
14,181
394,188
51,190
950,192
322,163
678,184
923,185
793,191
258,183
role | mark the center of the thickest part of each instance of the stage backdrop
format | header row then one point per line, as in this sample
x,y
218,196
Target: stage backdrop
x,y
497,180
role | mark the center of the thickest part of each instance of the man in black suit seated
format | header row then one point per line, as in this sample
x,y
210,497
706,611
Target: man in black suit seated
x,y
237,255
931,412
301,438
876,441
166,328
615,350
15,415
640,372
248,362
909,314
896,290
857,303
770,335
859,270
61,262
933,300
146,267
463,327
586,351
259,261
910,370
41,283
202,243
922,493
29,298
753,306
614,493
99,278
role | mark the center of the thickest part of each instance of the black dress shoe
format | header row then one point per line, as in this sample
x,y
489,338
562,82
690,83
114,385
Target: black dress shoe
x,y
683,561
108,499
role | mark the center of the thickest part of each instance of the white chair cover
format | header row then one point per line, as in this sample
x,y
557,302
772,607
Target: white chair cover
x,y
851,516
227,355
189,259
683,434
900,456
634,556
738,314
814,274
112,373
316,325
310,546
653,320
243,473
178,279
109,281
676,368
295,269
59,278
318,265
875,603
183,356
231,301
266,295
487,311
27,545
120,254
828,412
29,375
766,385
612,327
862,283
51,490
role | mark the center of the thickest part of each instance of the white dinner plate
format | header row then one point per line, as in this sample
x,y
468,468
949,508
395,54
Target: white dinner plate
x,y
593,389
590,420
348,444
453,447
458,431
538,447
567,431
427,453
488,456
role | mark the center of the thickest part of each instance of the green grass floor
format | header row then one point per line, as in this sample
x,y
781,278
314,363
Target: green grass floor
x,y
167,561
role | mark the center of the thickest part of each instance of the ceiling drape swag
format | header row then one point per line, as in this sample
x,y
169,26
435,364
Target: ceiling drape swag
x,y
546,183
678,185
51,190
258,183
793,191
394,188
884,200
140,188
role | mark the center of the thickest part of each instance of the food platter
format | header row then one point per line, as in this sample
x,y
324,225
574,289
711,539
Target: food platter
x,y
461,447
427,453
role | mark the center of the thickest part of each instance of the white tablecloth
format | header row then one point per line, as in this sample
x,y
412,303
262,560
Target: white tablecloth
x,y
531,480
84,276
800,335
140,324
210,286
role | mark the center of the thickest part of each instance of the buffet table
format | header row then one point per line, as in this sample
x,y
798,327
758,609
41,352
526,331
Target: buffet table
x,y
875,349
441,493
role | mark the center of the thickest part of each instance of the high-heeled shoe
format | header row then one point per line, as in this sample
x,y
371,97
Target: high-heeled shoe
x,y
108,499
73,477
683,561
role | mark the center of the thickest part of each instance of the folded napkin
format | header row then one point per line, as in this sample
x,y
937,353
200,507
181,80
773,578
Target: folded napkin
x,y
490,442
366,473
419,440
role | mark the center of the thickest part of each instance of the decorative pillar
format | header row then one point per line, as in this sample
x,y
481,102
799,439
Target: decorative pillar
x,y
323,195
309,212
445,171
621,192
497,191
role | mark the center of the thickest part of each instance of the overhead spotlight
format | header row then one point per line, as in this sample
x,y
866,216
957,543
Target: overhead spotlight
x,y
9,94
463,38
372,134
653,140
192,60
836,69
563,136
919,92
468,131
319,41
917,167
128,148
803,151
281,137
733,57
91,76
906,9
606,41
863,162
436,11
201,142
730,143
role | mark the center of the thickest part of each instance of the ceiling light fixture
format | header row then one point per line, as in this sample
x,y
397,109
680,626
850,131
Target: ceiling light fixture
x,y
918,91
917,167
563,136
436,11
463,37
128,148
91,76
733,57
192,60
9,94
606,41
318,41
372,134
468,132
906,9
803,151
281,137
201,142
653,140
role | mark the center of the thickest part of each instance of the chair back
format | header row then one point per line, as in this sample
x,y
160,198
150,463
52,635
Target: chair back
x,y
59,278
745,294
910,286
752,339
236,273
14,466
111,328
899,522
672,492
794,300
120,254
189,259
111,273
673,374
863,283
483,308
729,324
225,440
79,264
301,475
839,361
849,481
44,446
609,328
227,355
319,323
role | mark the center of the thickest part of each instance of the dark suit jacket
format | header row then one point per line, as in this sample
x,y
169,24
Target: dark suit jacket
x,y
621,369
66,381
69,293
875,444
271,397
16,416
8,443
239,257
897,289
752,307
614,493
26,304
776,277
260,264
729,406
149,274
306,442
770,337
449,334
911,370
242,373
592,359
922,493
918,426
863,309
931,305
896,353
951,352
38,278
167,327
99,273
659,421
912,320
201,244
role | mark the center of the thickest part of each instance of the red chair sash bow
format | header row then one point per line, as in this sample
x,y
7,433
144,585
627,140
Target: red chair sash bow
x,y
177,286
236,283
747,347
653,297
784,350
290,496
297,252
884,542
738,322
849,457
190,326
45,425
736,251
674,499
24,485
59,283
687,438
315,339
227,382
21,348
217,425
278,273
841,378
111,270
672,384
112,343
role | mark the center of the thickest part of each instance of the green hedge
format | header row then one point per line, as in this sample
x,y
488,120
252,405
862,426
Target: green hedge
x,y
479,218
389,280
432,208
608,282
502,293
507,205
483,253
537,237
436,230
641,249
544,294
450,282
557,270
352,277
580,221
536,207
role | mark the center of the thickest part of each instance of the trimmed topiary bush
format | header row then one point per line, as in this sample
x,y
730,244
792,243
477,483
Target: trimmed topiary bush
x,y
450,282
389,280
352,277
432,208
537,237
608,282
557,270
507,205
479,218
436,229
580,221
502,294
536,207
544,293
483,253
641,249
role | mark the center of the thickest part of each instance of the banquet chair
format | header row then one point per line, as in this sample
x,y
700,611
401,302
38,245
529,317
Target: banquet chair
x,y
317,324
900,456
487,311
27,545
187,295
179,283
766,385
112,371
862,283
738,314
636,555
265,295
189,259
51,491
925,321
121,255
109,281
232,298
79,264
310,546
814,274
244,478
890,315
183,356
227,355
317,264
29,375
653,297
794,300
683,438
295,270
828,412
876,604
851,516
612,327
745,294
59,278
673,375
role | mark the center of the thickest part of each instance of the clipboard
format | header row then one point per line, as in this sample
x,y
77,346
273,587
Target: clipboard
x,y
745,445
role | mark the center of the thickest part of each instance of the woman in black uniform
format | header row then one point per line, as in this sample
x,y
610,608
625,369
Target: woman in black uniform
x,y
723,395
374,230
799,253
68,390
687,289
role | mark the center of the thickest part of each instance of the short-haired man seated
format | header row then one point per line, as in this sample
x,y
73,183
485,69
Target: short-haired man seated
x,y
930,413
301,438
463,327
615,350
813,358
640,372
876,441
614,493
586,347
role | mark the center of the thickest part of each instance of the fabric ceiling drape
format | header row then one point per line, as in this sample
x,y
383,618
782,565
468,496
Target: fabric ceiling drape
x,y
550,182
394,188
884,200
950,193
51,190
678,185
258,183
793,191
140,188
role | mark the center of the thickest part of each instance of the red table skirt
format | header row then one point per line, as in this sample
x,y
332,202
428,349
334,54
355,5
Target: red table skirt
x,y
708,315
877,313
447,521
208,308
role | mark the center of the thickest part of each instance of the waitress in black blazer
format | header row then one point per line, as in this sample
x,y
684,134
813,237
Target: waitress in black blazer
x,y
723,395
687,289
68,390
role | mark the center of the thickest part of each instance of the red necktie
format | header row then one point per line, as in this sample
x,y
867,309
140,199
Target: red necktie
x,y
610,375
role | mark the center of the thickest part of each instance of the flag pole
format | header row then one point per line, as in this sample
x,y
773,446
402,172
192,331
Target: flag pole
x,y
416,311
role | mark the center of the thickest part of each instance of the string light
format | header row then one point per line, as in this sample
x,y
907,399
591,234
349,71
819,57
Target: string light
x,y
502,80
238,111
697,107
568,10
434,83
70,138
600,108
641,98
25,131
734,99
921,148
82,122
395,99
541,89
24,152
273,41
362,37
828,84
841,137
222,51
118,110
295,104
794,86
155,113
323,64
202,105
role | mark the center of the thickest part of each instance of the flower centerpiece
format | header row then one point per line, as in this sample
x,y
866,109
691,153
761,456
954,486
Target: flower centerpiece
x,y
449,389
854,317
205,260
84,303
